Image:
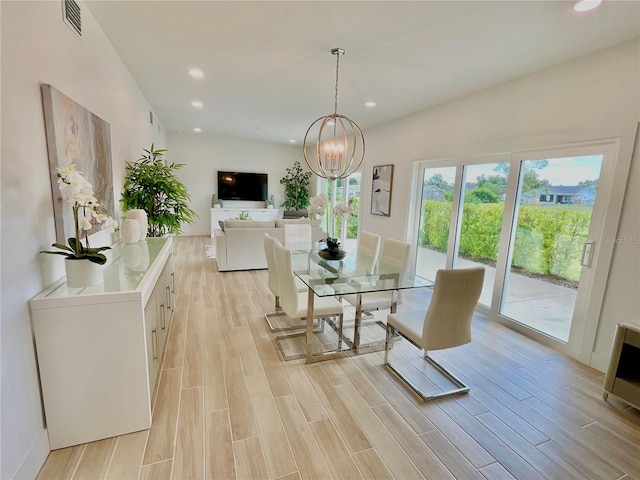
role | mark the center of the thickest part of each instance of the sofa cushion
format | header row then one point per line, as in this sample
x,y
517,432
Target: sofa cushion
x,y
248,224
221,223
282,222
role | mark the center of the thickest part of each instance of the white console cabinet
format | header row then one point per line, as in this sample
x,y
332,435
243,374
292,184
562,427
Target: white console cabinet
x,y
261,214
100,348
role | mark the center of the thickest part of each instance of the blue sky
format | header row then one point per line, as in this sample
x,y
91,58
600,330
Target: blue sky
x,y
559,171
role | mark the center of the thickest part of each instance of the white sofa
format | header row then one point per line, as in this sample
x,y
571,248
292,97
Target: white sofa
x,y
240,245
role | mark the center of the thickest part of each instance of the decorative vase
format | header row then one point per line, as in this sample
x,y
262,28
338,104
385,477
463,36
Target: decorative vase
x,y
82,273
332,255
130,230
142,218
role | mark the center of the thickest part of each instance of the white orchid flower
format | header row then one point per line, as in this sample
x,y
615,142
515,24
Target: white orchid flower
x,y
110,224
85,223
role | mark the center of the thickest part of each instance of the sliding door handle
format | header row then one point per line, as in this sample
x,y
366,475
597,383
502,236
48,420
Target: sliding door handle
x,y
587,253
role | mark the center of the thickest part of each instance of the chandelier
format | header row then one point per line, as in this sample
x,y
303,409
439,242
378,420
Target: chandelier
x,y
339,145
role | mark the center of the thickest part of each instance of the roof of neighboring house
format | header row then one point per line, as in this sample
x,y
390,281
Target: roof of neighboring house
x,y
427,187
569,189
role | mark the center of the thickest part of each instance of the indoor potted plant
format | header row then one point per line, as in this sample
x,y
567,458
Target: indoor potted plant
x,y
82,262
152,186
296,188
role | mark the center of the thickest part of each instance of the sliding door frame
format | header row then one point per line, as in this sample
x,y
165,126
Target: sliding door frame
x,y
604,225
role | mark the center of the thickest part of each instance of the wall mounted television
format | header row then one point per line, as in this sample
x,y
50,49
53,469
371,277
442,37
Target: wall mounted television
x,y
242,186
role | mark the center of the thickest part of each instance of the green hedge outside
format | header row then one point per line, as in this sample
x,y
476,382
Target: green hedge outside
x,y
548,239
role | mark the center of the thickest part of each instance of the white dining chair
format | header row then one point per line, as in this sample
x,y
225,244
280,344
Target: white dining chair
x,y
274,286
294,303
446,323
395,254
368,251
297,237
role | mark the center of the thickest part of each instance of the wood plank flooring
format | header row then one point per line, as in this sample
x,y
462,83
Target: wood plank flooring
x,y
227,406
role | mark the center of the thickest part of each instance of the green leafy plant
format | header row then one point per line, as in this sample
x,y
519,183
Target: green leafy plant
x,y
78,192
333,245
243,216
296,187
152,186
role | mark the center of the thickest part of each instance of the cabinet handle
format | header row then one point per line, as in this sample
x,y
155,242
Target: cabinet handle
x,y
173,283
154,343
162,317
168,297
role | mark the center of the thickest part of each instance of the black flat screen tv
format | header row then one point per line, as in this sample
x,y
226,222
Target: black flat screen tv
x,y
242,186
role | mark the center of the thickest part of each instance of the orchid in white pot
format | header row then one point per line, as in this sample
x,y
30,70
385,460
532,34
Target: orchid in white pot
x,y
78,192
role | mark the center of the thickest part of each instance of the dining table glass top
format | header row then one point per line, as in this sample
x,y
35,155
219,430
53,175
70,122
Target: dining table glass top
x,y
354,274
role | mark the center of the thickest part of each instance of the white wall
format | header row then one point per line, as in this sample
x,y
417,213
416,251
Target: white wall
x,y
594,97
204,155
38,47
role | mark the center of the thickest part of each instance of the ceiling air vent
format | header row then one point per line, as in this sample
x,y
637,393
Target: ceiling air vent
x,y
72,15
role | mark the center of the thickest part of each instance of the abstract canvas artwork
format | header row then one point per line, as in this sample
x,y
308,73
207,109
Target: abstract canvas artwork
x,y
75,135
382,184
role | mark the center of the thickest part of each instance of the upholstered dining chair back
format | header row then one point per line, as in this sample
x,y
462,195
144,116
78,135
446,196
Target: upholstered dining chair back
x,y
395,254
273,282
368,250
447,322
297,237
287,284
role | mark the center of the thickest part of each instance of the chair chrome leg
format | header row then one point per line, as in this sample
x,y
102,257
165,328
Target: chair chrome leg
x,y
462,388
318,328
273,328
388,343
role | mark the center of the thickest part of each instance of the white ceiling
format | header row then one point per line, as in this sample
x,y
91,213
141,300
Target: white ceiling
x,y
269,70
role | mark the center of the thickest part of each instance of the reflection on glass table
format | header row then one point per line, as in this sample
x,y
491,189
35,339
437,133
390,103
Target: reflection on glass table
x,y
346,277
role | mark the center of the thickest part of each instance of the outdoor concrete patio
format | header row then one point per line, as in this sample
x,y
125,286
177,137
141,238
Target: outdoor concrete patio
x,y
544,306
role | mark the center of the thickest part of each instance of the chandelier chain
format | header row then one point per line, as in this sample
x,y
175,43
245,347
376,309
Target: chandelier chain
x,y
335,105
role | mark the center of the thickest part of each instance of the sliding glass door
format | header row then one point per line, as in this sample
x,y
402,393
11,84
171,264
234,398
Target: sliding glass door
x,y
534,220
549,242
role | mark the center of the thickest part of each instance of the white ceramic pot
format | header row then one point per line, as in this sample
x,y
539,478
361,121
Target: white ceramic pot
x,y
141,216
82,273
130,230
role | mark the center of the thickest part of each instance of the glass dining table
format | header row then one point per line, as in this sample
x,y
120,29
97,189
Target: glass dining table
x,y
353,275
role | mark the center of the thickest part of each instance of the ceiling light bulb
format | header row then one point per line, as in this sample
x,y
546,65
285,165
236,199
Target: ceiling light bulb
x,y
370,104
292,141
196,73
197,104
586,5
197,129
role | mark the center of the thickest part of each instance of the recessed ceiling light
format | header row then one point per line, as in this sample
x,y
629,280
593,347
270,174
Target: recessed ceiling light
x,y
197,129
370,104
292,141
586,5
196,73
197,103
331,122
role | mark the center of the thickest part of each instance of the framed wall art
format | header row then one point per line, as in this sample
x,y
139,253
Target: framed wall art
x,y
381,187
75,135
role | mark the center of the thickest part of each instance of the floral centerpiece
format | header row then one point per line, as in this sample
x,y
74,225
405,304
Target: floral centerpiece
x,y
317,206
78,192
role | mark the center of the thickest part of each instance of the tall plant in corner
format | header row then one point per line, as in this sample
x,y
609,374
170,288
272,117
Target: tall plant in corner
x,y
152,186
296,188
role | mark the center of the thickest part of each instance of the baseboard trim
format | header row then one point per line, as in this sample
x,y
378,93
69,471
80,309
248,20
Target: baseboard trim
x,y
35,458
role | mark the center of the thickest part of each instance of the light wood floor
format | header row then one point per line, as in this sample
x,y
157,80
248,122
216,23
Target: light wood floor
x,y
227,406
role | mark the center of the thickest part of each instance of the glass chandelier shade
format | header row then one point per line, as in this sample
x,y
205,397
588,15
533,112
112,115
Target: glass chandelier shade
x,y
339,142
